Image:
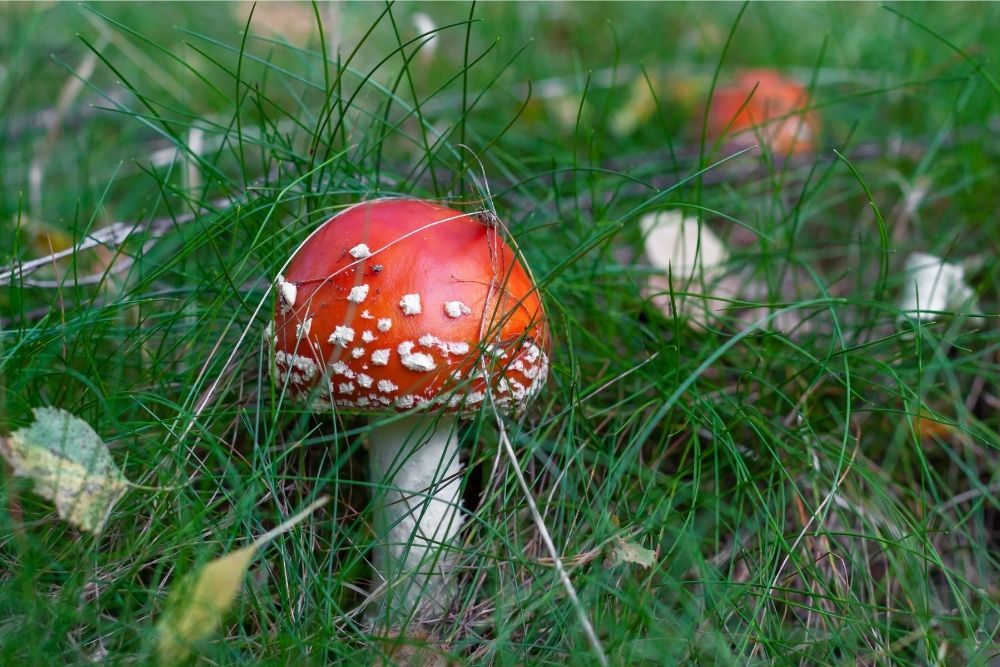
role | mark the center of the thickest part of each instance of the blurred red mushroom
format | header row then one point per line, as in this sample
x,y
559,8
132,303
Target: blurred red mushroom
x,y
763,106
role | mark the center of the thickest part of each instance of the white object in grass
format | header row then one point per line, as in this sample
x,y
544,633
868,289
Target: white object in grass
x,y
933,286
425,25
693,258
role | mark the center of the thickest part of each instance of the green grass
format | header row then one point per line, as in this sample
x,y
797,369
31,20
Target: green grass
x,y
798,515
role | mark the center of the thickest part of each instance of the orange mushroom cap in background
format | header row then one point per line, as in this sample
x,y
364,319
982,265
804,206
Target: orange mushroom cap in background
x,y
399,303
764,105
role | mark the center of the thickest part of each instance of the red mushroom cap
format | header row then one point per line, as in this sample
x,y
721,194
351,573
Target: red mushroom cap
x,y
766,102
400,303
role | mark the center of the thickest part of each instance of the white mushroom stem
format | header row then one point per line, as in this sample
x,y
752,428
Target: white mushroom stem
x,y
416,476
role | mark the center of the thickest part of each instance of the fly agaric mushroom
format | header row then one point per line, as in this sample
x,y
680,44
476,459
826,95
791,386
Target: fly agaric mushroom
x,y
401,305
763,105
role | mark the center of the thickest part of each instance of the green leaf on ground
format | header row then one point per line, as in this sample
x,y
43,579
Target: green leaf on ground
x,y
630,552
69,464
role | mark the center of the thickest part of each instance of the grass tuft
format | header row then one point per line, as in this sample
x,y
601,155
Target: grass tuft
x,y
814,470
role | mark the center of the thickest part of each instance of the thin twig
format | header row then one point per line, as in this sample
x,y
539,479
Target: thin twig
x,y
110,237
965,496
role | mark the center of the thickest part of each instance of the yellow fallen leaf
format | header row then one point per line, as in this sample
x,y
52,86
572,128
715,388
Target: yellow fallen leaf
x,y
562,104
197,605
630,552
69,464
46,240
639,106
200,603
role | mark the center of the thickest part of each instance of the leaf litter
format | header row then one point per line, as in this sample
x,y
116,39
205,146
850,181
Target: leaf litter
x,y
69,464
199,602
